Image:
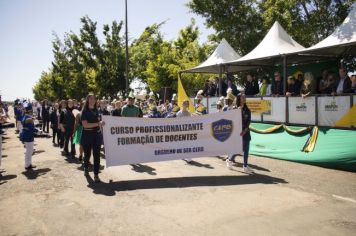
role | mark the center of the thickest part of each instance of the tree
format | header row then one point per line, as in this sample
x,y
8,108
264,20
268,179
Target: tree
x,y
243,23
160,64
144,49
238,21
83,64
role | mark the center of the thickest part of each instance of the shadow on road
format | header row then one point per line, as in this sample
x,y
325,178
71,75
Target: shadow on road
x,y
143,169
5,178
110,189
37,152
198,164
72,160
33,173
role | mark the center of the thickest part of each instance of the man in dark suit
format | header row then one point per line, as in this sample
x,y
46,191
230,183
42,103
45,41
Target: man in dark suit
x,y
223,87
343,85
277,85
251,86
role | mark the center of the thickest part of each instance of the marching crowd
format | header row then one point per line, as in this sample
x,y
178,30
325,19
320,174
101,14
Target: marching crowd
x,y
79,123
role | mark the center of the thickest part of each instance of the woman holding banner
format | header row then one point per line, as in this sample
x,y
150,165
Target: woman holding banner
x,y
91,139
185,113
245,133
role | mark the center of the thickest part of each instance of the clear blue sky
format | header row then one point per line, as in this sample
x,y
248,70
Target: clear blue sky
x,y
26,28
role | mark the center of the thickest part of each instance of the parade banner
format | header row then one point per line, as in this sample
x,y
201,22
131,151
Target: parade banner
x,y
332,109
139,140
302,110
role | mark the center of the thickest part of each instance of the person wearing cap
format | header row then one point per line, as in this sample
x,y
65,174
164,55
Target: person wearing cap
x,y
200,109
27,135
229,101
151,99
173,107
130,110
229,105
184,112
153,112
219,106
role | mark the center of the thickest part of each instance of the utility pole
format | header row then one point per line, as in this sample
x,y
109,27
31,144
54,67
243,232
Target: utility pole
x,y
127,51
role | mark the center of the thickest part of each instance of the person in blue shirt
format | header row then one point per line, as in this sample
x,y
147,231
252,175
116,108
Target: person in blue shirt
x,y
27,135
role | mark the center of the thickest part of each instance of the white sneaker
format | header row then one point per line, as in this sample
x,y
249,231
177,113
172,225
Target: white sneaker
x,y
229,164
248,170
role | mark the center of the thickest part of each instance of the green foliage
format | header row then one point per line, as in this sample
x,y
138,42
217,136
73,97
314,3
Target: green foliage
x,y
82,64
158,62
244,22
238,21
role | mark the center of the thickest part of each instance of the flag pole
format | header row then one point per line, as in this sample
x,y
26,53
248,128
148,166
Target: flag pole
x,y
127,51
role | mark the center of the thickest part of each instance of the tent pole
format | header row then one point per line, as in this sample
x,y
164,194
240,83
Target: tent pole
x,y
220,80
285,87
284,74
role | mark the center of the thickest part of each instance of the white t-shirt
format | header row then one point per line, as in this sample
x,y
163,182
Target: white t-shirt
x,y
182,113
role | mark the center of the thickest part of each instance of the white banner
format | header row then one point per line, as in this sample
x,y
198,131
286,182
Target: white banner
x,y
331,109
278,110
140,140
255,116
301,110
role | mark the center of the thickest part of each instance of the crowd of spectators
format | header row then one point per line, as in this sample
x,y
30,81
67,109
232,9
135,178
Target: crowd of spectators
x,y
304,85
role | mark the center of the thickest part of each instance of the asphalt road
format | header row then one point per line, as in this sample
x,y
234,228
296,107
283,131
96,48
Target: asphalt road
x,y
171,198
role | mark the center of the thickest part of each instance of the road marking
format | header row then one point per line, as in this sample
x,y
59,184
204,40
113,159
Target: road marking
x,y
344,198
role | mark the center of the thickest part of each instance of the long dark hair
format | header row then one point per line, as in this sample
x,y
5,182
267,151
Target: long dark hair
x,y
86,104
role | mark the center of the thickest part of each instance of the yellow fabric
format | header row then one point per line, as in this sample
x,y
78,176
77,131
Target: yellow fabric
x,y
201,108
310,144
349,119
183,96
266,131
299,131
176,108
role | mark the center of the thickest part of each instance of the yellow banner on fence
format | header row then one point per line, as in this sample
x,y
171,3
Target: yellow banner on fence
x,y
259,106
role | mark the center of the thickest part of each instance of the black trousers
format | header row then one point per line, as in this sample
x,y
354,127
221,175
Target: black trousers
x,y
91,142
54,134
61,138
68,137
45,124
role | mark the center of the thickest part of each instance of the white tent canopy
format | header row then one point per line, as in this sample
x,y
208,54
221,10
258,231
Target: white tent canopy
x,y
222,54
277,42
342,40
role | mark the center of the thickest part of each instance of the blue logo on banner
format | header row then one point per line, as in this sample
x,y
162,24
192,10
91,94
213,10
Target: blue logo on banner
x,y
222,129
